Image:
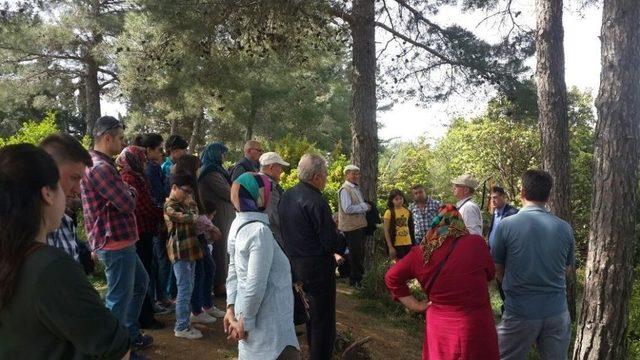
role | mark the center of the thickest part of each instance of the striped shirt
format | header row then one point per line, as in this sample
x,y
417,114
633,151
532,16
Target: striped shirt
x,y
65,237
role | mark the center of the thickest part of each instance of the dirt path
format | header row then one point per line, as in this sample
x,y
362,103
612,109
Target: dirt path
x,y
387,342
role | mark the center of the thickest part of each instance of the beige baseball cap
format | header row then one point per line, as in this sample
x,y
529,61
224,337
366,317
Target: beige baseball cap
x,y
466,180
270,158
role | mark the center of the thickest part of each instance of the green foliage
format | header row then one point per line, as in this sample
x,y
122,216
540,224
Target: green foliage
x,y
33,131
498,147
292,150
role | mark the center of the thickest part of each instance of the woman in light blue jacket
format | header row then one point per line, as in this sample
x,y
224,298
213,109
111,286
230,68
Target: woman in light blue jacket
x,y
259,294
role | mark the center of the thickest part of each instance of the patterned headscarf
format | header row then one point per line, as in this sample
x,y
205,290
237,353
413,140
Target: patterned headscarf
x,y
251,192
211,160
132,160
448,224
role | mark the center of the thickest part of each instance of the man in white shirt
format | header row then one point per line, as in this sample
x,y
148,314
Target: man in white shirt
x,y
352,221
463,187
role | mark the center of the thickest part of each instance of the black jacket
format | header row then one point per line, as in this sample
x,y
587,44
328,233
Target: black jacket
x,y
243,166
508,211
306,222
373,219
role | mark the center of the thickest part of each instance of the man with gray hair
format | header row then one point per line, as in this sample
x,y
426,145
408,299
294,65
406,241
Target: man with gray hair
x,y
310,239
250,161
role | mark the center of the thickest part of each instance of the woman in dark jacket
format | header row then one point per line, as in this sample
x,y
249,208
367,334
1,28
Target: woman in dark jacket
x,y
48,308
214,186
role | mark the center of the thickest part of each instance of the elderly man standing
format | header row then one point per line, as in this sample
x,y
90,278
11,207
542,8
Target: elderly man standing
x,y
463,187
272,165
250,161
352,221
310,239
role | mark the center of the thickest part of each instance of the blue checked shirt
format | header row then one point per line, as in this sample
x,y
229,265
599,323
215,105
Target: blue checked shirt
x,y
422,217
65,237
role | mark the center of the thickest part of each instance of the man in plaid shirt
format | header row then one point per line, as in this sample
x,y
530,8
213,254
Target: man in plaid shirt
x,y
72,159
108,205
423,210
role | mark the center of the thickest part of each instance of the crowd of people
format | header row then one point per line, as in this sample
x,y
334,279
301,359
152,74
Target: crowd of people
x,y
173,232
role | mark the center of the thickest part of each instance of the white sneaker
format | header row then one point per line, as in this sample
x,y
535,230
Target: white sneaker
x,y
215,312
202,318
190,333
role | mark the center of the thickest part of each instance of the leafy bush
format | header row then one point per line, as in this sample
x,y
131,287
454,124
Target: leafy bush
x,y
33,131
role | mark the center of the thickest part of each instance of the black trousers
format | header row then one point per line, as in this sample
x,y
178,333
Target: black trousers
x,y
144,248
319,282
355,243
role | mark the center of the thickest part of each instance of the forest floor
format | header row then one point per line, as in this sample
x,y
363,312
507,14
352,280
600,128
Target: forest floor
x,y
389,340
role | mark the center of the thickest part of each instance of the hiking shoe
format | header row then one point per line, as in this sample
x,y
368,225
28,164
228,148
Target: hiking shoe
x,y
202,318
160,310
215,312
190,333
142,341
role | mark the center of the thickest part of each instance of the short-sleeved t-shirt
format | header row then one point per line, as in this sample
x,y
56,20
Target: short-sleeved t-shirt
x,y
535,248
403,237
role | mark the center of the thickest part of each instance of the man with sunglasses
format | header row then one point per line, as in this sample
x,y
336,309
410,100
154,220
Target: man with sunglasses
x,y
108,206
251,160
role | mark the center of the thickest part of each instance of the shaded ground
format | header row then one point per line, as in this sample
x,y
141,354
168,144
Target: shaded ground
x,y
388,342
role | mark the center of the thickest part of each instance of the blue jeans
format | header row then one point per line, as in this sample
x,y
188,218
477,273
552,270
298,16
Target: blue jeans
x,y
185,272
205,268
127,282
552,336
163,270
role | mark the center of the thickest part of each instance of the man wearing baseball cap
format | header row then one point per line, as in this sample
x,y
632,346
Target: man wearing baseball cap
x,y
352,220
272,165
463,187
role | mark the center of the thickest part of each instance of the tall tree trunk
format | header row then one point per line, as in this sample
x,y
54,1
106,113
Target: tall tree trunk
x,y
92,94
81,102
554,120
174,126
364,127
195,133
601,333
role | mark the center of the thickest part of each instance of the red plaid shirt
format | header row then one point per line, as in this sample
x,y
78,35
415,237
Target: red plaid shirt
x,y
108,206
148,215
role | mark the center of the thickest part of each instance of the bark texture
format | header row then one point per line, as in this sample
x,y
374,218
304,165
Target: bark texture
x,y
553,117
364,127
601,332
92,94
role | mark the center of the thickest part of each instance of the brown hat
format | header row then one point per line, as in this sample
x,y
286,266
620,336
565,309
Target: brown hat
x,y
466,180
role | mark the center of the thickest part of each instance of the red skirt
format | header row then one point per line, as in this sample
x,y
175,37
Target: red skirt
x,y
460,335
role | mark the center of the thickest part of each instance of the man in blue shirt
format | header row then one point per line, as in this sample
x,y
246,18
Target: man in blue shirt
x,y
533,251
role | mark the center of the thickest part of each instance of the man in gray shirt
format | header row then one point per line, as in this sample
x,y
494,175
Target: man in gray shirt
x,y
533,251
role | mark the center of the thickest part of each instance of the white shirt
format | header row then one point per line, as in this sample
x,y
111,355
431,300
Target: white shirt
x,y
470,215
346,204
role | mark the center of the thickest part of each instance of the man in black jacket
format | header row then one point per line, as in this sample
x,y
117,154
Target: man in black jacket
x,y
501,210
310,239
250,162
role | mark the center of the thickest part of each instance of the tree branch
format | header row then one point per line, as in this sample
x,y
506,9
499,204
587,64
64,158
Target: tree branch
x,y
340,13
40,55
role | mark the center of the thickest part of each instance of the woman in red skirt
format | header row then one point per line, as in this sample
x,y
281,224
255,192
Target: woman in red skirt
x,y
453,268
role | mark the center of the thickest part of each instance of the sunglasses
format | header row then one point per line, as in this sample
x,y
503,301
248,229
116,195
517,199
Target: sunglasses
x,y
114,126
